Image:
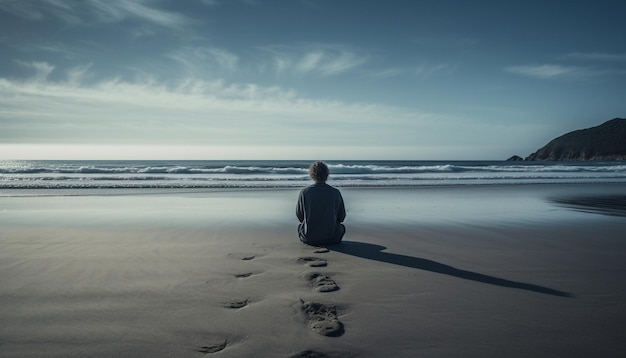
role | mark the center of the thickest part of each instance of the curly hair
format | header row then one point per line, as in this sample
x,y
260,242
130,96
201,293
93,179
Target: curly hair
x,y
319,172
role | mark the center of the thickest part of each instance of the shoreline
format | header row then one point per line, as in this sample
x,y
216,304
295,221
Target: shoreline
x,y
89,190
446,272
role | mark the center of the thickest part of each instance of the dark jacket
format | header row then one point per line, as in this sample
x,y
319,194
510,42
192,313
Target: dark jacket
x,y
321,211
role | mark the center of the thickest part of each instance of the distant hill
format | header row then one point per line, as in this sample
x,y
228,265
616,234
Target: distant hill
x,y
604,142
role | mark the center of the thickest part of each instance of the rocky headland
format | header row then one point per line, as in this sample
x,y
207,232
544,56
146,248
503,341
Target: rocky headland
x,y
606,142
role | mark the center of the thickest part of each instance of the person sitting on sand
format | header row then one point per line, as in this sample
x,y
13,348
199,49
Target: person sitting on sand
x,y
321,210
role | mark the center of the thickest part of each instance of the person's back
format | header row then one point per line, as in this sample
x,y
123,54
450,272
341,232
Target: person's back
x,y
321,210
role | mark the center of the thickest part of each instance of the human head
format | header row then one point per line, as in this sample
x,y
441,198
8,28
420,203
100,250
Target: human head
x,y
319,172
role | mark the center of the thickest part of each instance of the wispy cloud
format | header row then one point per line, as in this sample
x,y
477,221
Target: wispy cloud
x,y
326,60
94,10
595,56
77,75
552,71
23,9
56,48
596,64
191,111
391,72
420,71
42,69
544,71
212,60
219,62
427,70
118,10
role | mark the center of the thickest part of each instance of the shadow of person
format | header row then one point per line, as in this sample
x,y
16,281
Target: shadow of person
x,y
375,252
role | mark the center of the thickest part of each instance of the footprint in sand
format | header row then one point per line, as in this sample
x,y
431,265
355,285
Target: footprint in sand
x,y
213,348
236,304
321,282
309,354
322,319
243,257
313,261
244,275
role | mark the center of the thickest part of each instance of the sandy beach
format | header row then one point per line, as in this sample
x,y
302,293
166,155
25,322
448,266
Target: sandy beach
x,y
467,271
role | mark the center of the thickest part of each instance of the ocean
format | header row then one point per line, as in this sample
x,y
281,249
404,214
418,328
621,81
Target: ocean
x,y
20,175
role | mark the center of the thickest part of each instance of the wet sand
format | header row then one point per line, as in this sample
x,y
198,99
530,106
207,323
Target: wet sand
x,y
490,271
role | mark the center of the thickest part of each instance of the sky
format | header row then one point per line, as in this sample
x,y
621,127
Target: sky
x,y
305,79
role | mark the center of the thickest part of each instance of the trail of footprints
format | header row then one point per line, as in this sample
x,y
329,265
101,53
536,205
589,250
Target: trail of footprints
x,y
321,318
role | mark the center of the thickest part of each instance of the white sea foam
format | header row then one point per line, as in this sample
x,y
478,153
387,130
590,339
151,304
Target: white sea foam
x,y
251,174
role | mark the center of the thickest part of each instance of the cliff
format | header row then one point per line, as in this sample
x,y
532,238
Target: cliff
x,y
604,142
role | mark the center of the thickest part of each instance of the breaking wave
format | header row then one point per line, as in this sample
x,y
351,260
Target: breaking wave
x,y
243,174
